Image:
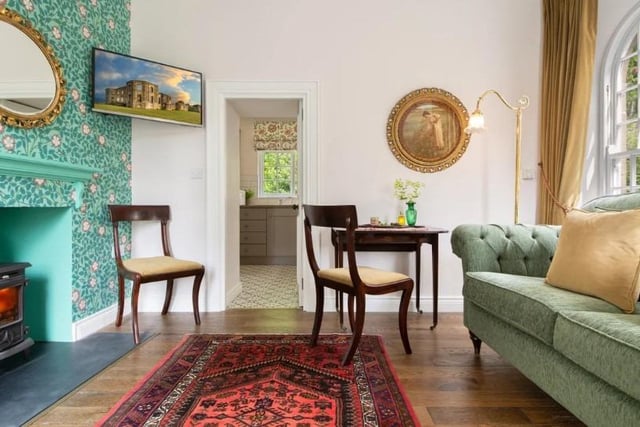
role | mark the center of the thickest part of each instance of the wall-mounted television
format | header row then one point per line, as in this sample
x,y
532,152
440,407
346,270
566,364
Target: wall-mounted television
x,y
145,89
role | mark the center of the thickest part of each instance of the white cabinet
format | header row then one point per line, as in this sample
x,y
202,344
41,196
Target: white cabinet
x,y
253,233
268,235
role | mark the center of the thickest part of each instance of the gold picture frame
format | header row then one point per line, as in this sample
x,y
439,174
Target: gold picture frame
x,y
49,106
425,130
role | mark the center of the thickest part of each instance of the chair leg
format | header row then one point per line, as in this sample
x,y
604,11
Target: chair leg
x,y
477,342
167,296
350,308
317,319
402,319
135,292
120,301
194,296
357,331
340,308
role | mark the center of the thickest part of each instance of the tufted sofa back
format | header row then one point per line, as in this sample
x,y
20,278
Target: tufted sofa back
x,y
613,203
515,249
521,249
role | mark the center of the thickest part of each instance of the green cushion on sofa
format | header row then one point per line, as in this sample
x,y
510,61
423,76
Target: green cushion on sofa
x,y
527,303
605,344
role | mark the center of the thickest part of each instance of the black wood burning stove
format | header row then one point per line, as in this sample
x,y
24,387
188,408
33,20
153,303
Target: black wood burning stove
x,y
13,332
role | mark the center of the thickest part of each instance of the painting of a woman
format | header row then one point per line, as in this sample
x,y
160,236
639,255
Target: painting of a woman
x,y
429,131
425,129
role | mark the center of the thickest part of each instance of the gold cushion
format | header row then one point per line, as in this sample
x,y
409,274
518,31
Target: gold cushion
x,y
598,254
370,276
159,265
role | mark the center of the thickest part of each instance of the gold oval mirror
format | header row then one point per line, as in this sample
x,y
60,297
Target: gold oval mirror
x,y
32,89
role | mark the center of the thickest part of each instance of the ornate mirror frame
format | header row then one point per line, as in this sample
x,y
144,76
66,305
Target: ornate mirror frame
x,y
47,115
425,130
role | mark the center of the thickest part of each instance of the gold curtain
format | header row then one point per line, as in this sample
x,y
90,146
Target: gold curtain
x,y
569,33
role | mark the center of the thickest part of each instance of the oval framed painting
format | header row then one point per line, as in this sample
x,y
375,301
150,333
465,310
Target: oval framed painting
x,y
425,130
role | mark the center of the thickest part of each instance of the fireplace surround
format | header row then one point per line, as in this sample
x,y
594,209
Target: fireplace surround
x,y
38,227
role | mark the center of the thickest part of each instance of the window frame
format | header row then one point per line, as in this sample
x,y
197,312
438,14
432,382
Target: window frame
x,y
293,173
610,87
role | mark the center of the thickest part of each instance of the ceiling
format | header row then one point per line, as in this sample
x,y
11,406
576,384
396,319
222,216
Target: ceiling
x,y
265,108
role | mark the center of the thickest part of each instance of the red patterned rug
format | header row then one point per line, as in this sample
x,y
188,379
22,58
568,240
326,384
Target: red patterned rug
x,y
267,380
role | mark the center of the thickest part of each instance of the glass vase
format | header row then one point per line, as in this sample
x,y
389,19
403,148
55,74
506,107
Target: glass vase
x,y
411,214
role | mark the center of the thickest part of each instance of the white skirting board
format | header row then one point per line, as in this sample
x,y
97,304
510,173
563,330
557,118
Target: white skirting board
x,y
233,293
390,304
99,320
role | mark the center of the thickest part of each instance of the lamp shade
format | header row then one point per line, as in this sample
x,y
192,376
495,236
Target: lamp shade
x,y
476,122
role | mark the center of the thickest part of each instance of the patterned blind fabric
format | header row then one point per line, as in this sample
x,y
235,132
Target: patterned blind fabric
x,y
275,135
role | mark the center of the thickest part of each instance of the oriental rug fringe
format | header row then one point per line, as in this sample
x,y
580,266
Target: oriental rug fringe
x,y
267,380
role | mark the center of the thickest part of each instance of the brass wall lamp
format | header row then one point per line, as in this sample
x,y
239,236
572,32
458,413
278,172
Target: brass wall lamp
x,y
476,124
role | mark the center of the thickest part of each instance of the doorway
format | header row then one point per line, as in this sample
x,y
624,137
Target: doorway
x,y
222,230
269,171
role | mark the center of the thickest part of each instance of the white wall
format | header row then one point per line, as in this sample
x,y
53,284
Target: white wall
x,y
365,55
168,169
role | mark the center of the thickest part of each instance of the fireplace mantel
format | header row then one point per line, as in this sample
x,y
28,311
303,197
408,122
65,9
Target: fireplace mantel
x,y
31,167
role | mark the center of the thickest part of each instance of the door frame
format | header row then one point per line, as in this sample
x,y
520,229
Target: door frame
x,y
218,195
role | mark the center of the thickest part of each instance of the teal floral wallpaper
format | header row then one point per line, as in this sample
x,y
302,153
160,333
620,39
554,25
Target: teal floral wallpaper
x,y
78,136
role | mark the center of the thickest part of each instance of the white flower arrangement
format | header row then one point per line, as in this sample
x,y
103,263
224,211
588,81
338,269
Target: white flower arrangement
x,y
407,190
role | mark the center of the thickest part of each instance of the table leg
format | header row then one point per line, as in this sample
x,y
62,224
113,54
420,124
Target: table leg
x,y
418,259
434,270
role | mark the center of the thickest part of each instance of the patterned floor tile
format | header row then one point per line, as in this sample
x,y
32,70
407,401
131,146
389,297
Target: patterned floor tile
x,y
267,286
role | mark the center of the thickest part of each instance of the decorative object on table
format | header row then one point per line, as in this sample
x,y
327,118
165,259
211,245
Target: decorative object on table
x,y
408,191
279,379
411,214
476,124
401,219
425,130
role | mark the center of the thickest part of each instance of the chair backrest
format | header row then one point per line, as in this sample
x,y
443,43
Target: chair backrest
x,y
331,216
128,213
139,213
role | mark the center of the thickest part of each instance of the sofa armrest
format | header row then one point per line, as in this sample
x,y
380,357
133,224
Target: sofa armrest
x,y
515,249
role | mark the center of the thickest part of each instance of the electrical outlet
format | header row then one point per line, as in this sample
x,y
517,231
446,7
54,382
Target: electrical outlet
x,y
528,174
197,173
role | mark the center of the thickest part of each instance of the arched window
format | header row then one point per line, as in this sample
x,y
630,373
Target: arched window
x,y
620,121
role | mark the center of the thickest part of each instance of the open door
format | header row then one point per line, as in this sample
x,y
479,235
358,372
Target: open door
x,y
300,258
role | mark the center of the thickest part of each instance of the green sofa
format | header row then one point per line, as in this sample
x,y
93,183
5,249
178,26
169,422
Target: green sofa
x,y
582,351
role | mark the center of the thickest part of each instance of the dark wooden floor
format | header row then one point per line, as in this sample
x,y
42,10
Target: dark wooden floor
x,y
446,384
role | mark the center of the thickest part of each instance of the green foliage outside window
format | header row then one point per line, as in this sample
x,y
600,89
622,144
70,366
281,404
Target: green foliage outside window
x,y
278,177
627,120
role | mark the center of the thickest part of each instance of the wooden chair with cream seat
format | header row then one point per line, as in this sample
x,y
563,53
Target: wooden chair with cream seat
x,y
356,281
150,269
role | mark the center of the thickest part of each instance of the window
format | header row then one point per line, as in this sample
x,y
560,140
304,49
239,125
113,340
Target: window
x,y
621,125
277,173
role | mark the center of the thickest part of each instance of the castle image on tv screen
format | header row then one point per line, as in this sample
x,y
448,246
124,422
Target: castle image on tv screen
x,y
136,87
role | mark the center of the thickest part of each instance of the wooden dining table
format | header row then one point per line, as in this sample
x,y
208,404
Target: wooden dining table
x,y
376,238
